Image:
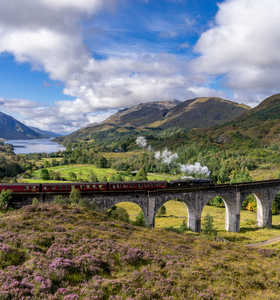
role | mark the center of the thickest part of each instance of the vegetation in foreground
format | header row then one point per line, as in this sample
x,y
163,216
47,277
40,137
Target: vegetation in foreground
x,y
63,252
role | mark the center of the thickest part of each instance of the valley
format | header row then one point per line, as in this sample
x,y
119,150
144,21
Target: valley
x,y
227,152
139,150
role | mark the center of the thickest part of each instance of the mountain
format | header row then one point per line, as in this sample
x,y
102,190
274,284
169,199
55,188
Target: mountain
x,y
259,125
142,114
201,113
10,128
44,133
156,116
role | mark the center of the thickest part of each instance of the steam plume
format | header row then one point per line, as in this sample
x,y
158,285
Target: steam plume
x,y
141,141
195,169
166,156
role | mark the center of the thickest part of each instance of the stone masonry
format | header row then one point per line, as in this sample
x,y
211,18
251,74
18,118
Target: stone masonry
x,y
195,200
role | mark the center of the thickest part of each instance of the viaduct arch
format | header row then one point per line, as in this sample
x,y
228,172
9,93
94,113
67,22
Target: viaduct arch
x,y
195,199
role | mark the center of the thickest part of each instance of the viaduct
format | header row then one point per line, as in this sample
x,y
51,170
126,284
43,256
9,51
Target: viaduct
x,y
195,199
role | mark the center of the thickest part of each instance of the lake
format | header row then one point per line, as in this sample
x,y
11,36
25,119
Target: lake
x,y
35,146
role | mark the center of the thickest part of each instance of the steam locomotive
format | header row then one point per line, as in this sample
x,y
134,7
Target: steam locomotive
x,y
103,186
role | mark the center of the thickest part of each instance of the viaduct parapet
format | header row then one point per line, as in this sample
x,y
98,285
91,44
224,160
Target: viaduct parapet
x,y
195,199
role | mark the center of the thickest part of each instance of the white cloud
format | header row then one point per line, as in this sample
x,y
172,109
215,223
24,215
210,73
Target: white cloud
x,y
83,5
244,46
49,118
46,33
200,91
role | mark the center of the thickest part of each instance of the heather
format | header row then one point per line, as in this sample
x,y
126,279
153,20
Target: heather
x,y
50,251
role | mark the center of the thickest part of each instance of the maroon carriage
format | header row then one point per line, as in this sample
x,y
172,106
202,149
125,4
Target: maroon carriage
x,y
136,185
21,187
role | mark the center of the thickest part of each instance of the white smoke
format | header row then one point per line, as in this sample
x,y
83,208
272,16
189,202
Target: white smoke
x,y
196,169
158,155
141,141
166,156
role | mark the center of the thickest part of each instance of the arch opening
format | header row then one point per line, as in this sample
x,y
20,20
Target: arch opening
x,y
276,211
217,209
173,215
134,212
256,212
251,206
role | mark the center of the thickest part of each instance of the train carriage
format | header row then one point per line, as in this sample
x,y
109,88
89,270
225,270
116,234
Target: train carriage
x,y
61,187
136,185
92,186
67,187
21,187
56,187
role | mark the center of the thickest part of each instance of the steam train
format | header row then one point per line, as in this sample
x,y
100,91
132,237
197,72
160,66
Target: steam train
x,y
103,186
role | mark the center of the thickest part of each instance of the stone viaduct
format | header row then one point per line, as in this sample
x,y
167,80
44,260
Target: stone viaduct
x,y
195,199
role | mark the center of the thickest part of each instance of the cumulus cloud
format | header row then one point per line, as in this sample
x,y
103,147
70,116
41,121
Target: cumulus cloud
x,y
47,34
243,45
201,91
52,118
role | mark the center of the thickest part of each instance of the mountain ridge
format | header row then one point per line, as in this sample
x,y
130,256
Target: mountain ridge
x,y
260,124
12,129
152,117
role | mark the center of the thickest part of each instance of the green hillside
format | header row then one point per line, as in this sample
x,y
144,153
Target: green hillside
x,y
260,125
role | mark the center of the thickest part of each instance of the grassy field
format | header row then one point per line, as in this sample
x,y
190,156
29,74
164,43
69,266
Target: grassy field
x,y
266,172
176,213
120,155
83,173
28,180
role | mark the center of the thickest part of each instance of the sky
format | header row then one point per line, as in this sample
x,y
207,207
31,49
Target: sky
x,y
66,64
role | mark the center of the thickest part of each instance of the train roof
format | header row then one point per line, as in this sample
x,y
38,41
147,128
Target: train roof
x,y
18,184
79,183
155,181
191,180
72,183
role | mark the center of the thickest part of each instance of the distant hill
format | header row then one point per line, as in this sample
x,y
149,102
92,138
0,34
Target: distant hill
x,y
260,124
47,134
10,128
155,116
142,115
201,113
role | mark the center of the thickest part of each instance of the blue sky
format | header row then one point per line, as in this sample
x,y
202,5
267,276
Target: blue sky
x,y
67,64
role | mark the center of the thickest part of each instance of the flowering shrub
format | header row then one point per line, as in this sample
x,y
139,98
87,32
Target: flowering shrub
x,y
59,253
10,256
134,256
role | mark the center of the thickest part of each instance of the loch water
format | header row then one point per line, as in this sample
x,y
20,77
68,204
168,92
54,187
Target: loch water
x,y
35,146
